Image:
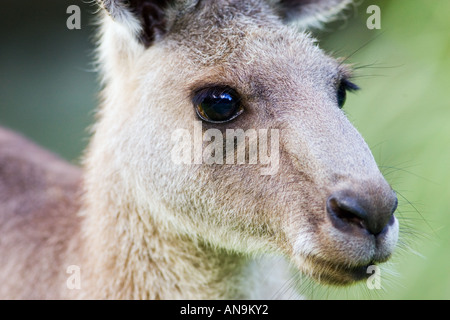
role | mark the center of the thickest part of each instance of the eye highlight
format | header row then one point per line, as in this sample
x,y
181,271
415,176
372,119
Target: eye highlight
x,y
217,104
344,86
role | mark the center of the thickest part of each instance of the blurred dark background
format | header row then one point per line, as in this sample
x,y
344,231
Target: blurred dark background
x,y
48,87
48,92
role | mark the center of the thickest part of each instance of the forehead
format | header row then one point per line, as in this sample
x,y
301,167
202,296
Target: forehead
x,y
230,32
259,54
232,45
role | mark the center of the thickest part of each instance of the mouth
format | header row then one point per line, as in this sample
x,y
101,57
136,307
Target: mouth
x,y
340,258
326,272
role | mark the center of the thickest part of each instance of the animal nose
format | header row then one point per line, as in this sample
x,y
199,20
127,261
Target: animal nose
x,y
351,213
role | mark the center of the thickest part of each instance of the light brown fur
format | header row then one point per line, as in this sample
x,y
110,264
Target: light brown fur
x,y
140,227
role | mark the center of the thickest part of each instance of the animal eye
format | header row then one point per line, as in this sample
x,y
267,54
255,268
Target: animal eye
x,y
218,104
344,86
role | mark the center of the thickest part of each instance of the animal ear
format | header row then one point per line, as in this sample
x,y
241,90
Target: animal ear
x,y
147,19
311,13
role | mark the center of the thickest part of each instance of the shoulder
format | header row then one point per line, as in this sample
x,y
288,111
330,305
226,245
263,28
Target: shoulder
x,y
39,201
30,176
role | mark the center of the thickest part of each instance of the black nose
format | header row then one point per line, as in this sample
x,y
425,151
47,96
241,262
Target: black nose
x,y
351,213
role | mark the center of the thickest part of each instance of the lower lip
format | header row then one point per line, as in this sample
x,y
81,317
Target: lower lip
x,y
359,273
347,276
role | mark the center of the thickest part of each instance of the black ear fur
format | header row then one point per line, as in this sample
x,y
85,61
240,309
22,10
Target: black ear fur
x,y
150,13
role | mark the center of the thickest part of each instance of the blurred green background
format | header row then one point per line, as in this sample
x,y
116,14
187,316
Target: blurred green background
x,y
48,91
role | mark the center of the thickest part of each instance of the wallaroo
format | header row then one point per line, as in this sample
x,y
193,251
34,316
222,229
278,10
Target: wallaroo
x,y
136,225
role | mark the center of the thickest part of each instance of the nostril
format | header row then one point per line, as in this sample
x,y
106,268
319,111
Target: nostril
x,y
350,213
346,213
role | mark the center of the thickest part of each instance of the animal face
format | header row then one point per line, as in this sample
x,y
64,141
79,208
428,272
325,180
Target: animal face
x,y
215,67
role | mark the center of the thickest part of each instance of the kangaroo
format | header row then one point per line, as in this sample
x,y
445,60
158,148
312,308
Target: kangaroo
x,y
136,225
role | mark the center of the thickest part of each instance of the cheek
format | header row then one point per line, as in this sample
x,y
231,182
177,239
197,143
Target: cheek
x,y
304,231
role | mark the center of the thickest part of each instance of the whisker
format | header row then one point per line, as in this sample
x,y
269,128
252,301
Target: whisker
x,y
375,65
418,212
411,173
365,76
361,47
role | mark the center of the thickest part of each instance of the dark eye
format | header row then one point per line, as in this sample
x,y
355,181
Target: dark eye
x,y
344,86
217,104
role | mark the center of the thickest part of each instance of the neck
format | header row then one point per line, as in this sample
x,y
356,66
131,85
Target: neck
x,y
130,259
133,253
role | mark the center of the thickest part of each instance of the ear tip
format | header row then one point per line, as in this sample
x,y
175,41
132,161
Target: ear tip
x,y
312,14
146,19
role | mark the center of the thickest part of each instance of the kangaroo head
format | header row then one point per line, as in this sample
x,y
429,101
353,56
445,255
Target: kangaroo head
x,y
209,67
